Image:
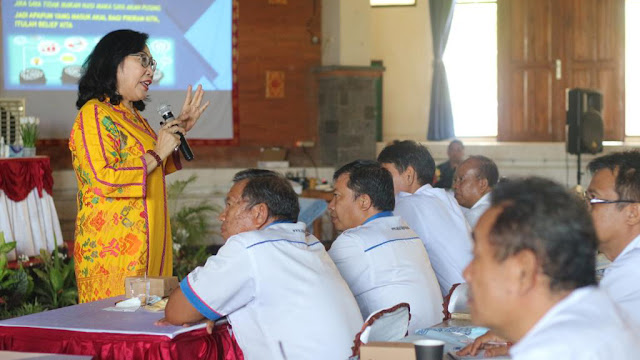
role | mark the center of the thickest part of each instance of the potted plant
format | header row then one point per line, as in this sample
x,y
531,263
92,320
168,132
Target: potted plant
x,y
29,134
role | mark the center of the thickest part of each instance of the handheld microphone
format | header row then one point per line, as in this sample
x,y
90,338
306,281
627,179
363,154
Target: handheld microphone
x,y
165,111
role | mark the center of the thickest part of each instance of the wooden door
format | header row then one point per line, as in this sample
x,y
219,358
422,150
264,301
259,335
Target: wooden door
x,y
547,46
594,55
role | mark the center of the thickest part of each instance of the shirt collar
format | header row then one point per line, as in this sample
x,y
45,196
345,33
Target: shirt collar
x,y
635,243
484,199
575,296
423,188
378,215
279,222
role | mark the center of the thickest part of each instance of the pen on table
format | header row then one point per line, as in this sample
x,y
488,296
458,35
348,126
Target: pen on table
x,y
496,343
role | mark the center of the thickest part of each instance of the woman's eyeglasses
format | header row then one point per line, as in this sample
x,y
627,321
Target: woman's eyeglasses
x,y
146,60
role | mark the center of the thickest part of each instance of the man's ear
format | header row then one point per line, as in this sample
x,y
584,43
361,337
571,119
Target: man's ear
x,y
410,176
484,186
527,271
364,201
260,214
633,214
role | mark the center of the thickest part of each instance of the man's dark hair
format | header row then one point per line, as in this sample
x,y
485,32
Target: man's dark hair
x,y
272,189
453,142
403,154
543,217
626,168
485,169
370,178
99,72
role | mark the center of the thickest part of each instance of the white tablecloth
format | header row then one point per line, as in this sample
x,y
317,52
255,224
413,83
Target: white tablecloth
x,y
90,317
33,223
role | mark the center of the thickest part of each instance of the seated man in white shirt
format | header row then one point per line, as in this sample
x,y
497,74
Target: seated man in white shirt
x,y
276,284
381,258
532,278
472,184
432,213
614,200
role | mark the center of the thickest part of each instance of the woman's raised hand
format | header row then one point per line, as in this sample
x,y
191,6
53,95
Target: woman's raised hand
x,y
191,109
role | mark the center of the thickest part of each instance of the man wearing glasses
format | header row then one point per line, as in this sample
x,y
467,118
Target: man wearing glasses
x,y
614,200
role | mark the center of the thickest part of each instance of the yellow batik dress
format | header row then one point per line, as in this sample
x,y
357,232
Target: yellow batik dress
x,y
122,228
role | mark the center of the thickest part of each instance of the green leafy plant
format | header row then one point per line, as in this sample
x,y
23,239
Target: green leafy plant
x,y
187,258
15,285
189,228
56,280
29,130
189,224
26,309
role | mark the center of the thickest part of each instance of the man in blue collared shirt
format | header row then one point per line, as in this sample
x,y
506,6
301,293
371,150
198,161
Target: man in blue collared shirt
x,y
274,281
381,258
434,214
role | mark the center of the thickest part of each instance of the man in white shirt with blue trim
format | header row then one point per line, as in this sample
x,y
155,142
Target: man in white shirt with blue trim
x,y
381,258
472,185
432,213
279,289
614,200
532,278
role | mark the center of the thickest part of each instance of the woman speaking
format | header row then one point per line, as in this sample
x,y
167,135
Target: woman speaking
x,y
122,228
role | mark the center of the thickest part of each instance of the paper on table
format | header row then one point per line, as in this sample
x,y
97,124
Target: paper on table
x,y
480,355
129,305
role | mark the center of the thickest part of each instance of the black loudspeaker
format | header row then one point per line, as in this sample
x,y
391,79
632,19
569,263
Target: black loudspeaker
x,y
585,129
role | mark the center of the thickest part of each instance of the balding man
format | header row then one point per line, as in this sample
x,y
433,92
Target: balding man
x,y
472,184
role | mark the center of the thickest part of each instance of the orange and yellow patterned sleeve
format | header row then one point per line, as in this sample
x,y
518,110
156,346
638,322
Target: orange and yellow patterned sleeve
x,y
173,163
110,164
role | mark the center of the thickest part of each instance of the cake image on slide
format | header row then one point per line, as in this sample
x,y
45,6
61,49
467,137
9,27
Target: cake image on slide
x,y
32,76
71,74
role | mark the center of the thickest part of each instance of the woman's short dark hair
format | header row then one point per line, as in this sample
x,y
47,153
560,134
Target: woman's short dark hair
x,y
542,216
369,177
403,154
99,72
272,189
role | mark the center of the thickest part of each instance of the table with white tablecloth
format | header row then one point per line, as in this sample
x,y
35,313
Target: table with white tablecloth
x,y
27,212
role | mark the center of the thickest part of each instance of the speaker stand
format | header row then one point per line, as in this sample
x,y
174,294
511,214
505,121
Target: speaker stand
x,y
579,172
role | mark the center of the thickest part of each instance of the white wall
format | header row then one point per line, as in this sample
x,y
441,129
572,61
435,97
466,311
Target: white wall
x,y
345,33
401,37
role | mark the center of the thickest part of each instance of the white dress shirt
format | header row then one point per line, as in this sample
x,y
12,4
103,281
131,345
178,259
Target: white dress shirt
x,y
622,281
385,263
281,293
473,214
586,325
437,218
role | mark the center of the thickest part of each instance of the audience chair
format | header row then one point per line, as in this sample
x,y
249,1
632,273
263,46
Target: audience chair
x,y
456,302
389,324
